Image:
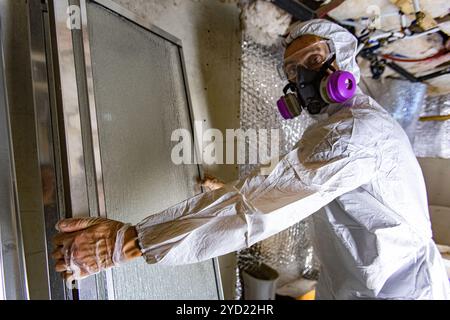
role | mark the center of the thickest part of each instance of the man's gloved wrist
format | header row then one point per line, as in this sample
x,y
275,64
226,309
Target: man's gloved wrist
x,y
131,248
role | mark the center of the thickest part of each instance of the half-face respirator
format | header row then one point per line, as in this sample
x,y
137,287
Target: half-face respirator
x,y
314,82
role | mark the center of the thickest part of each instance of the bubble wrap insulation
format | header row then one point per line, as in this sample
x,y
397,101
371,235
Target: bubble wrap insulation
x,y
290,252
433,137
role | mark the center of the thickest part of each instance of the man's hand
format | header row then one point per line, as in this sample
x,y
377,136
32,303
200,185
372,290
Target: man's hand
x,y
211,183
86,246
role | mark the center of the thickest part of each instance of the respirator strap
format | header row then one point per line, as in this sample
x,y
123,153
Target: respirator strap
x,y
329,65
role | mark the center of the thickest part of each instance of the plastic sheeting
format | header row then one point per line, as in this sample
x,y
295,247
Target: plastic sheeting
x,y
433,137
407,101
289,252
402,99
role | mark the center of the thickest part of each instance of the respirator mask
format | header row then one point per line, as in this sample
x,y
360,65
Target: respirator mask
x,y
314,82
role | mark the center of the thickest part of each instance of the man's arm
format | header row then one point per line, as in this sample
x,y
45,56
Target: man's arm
x,y
327,163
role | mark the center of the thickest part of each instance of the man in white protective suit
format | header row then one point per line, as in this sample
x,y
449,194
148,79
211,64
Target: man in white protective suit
x,y
373,236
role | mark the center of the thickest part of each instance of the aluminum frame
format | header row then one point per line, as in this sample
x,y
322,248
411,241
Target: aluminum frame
x,y
95,143
40,64
13,276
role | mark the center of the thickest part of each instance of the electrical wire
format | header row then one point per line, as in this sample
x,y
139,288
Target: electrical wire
x,y
435,56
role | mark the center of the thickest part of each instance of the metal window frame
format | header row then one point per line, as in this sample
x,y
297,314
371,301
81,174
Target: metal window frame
x,y
13,276
71,63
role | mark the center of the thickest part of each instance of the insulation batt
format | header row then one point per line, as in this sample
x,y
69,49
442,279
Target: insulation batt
x,y
373,232
264,22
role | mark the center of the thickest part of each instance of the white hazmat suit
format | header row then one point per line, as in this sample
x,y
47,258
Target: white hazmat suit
x,y
373,235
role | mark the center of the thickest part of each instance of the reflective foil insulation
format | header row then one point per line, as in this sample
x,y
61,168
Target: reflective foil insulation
x,y
433,137
407,102
289,252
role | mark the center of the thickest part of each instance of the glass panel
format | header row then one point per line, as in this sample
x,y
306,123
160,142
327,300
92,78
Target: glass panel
x,y
140,99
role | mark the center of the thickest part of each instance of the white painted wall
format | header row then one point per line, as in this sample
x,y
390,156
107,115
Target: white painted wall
x,y
437,179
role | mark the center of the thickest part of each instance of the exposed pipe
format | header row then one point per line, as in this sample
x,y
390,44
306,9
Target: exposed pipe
x,y
435,118
416,5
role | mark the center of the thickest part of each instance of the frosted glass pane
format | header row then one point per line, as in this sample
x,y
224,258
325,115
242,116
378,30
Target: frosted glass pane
x,y
140,99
